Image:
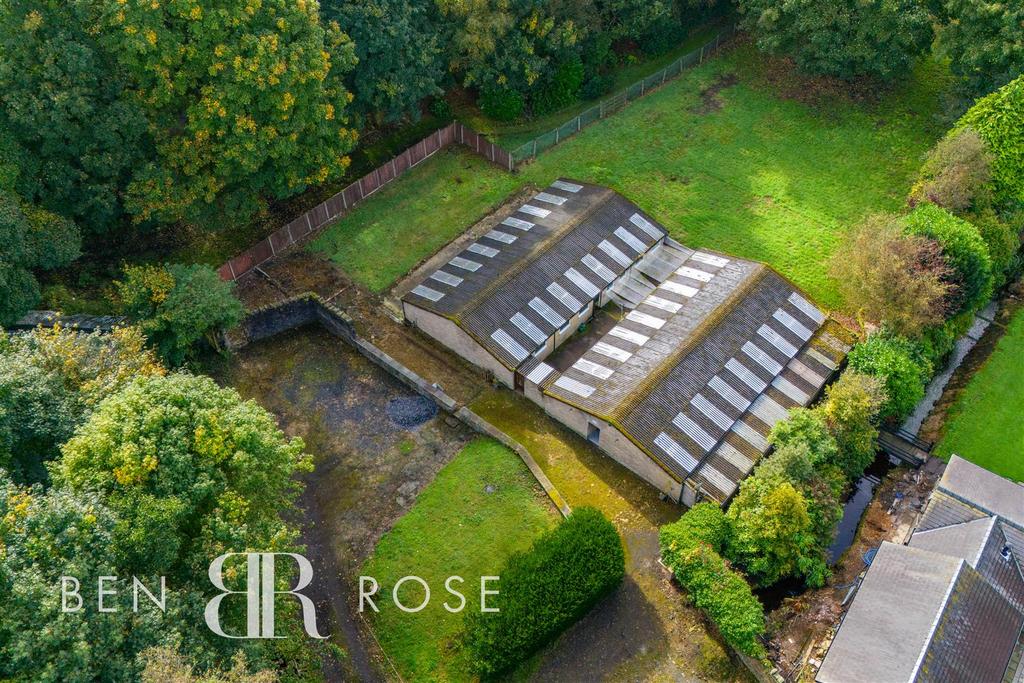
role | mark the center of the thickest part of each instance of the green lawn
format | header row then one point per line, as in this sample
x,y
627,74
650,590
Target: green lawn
x,y
758,176
985,425
458,528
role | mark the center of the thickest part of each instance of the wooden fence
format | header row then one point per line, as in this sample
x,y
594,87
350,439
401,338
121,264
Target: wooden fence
x,y
341,203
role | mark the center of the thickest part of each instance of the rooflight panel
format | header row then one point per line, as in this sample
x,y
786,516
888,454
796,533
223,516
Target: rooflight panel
x,y
483,250
517,223
528,328
791,324
447,278
663,304
694,431
716,479
547,312
805,373
505,341
734,457
673,450
615,253
676,288
768,410
822,358
539,373
428,293
573,304
777,340
534,210
499,236
726,391
711,411
709,259
585,285
645,225
591,368
599,268
807,308
549,198
762,358
613,352
745,375
694,274
578,388
465,264
750,435
629,335
631,240
794,392
645,320
568,187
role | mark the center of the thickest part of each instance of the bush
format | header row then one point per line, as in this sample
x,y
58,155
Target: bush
x,y
956,174
807,427
561,89
1002,240
690,548
440,108
544,591
963,250
597,86
175,306
850,410
999,119
901,366
500,103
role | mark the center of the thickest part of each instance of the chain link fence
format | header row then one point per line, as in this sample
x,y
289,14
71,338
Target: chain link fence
x,y
607,107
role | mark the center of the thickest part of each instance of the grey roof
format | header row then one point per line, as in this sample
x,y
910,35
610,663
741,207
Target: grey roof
x,y
554,238
922,616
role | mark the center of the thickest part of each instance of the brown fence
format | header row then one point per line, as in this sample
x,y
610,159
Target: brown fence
x,y
342,203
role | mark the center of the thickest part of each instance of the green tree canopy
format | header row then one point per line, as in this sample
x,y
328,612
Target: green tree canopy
x,y
999,119
984,40
901,367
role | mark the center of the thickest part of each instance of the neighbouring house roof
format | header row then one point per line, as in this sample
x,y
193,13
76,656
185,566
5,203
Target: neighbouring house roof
x,y
520,282
923,616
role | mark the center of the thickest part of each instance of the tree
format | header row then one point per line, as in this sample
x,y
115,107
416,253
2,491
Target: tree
x,y
809,428
842,38
956,174
30,238
851,408
999,120
177,305
164,665
984,41
215,471
963,250
887,276
901,367
401,57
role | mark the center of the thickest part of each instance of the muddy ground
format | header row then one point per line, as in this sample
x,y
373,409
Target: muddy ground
x,y
376,444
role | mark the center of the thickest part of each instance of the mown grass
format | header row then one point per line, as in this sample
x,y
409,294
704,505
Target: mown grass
x,y
746,171
985,425
458,528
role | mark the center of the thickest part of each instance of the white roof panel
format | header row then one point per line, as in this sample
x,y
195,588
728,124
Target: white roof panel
x,y
675,451
777,340
573,304
506,342
616,253
546,312
465,264
711,411
539,373
807,308
750,435
791,390
447,278
599,268
568,187
629,335
645,225
534,210
694,431
591,368
578,388
745,375
517,223
768,410
694,274
611,351
528,328
630,240
646,320
676,288
549,198
483,250
726,391
663,304
791,324
709,259
428,293
585,285
500,236
762,358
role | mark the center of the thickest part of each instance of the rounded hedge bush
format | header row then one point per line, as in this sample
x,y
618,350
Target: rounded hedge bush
x,y
999,119
546,590
901,365
500,103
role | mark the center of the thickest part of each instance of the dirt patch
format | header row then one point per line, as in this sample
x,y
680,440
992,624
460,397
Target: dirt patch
x,y
709,100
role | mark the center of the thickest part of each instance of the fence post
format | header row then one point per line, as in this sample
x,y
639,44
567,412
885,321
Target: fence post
x,y
701,55
579,124
556,135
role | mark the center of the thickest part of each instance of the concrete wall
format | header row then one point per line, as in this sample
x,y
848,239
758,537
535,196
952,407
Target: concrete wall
x,y
614,444
451,335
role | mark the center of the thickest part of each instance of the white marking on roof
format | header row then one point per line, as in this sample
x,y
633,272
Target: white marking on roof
x,y
565,298
539,373
483,250
805,373
427,293
675,451
645,225
676,288
505,341
549,198
585,285
616,253
644,319
777,340
711,411
745,375
546,312
591,368
611,351
578,388
629,335
762,358
528,328
465,264
735,458
791,390
568,187
750,435
709,259
500,236
517,223
768,410
726,391
630,240
694,274
791,324
822,358
447,278
534,210
663,304
599,268
694,431
807,308
724,484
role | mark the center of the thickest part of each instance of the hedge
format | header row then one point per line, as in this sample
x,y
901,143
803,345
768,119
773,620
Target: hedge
x,y
999,119
901,364
546,590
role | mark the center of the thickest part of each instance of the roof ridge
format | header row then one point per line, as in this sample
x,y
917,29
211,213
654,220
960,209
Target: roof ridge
x,y
604,195
938,616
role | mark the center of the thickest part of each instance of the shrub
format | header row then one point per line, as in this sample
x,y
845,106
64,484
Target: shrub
x,y
956,174
440,108
984,40
901,366
690,548
544,591
561,89
892,278
963,250
500,103
175,306
1002,240
807,427
999,119
597,86
850,410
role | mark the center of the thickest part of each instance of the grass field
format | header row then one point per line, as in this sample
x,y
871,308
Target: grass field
x,y
985,426
741,169
456,527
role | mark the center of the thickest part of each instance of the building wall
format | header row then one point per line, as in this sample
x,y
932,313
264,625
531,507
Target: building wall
x,y
452,336
615,444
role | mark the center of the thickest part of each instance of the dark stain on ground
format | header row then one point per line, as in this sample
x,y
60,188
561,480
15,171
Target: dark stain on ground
x,y
710,102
